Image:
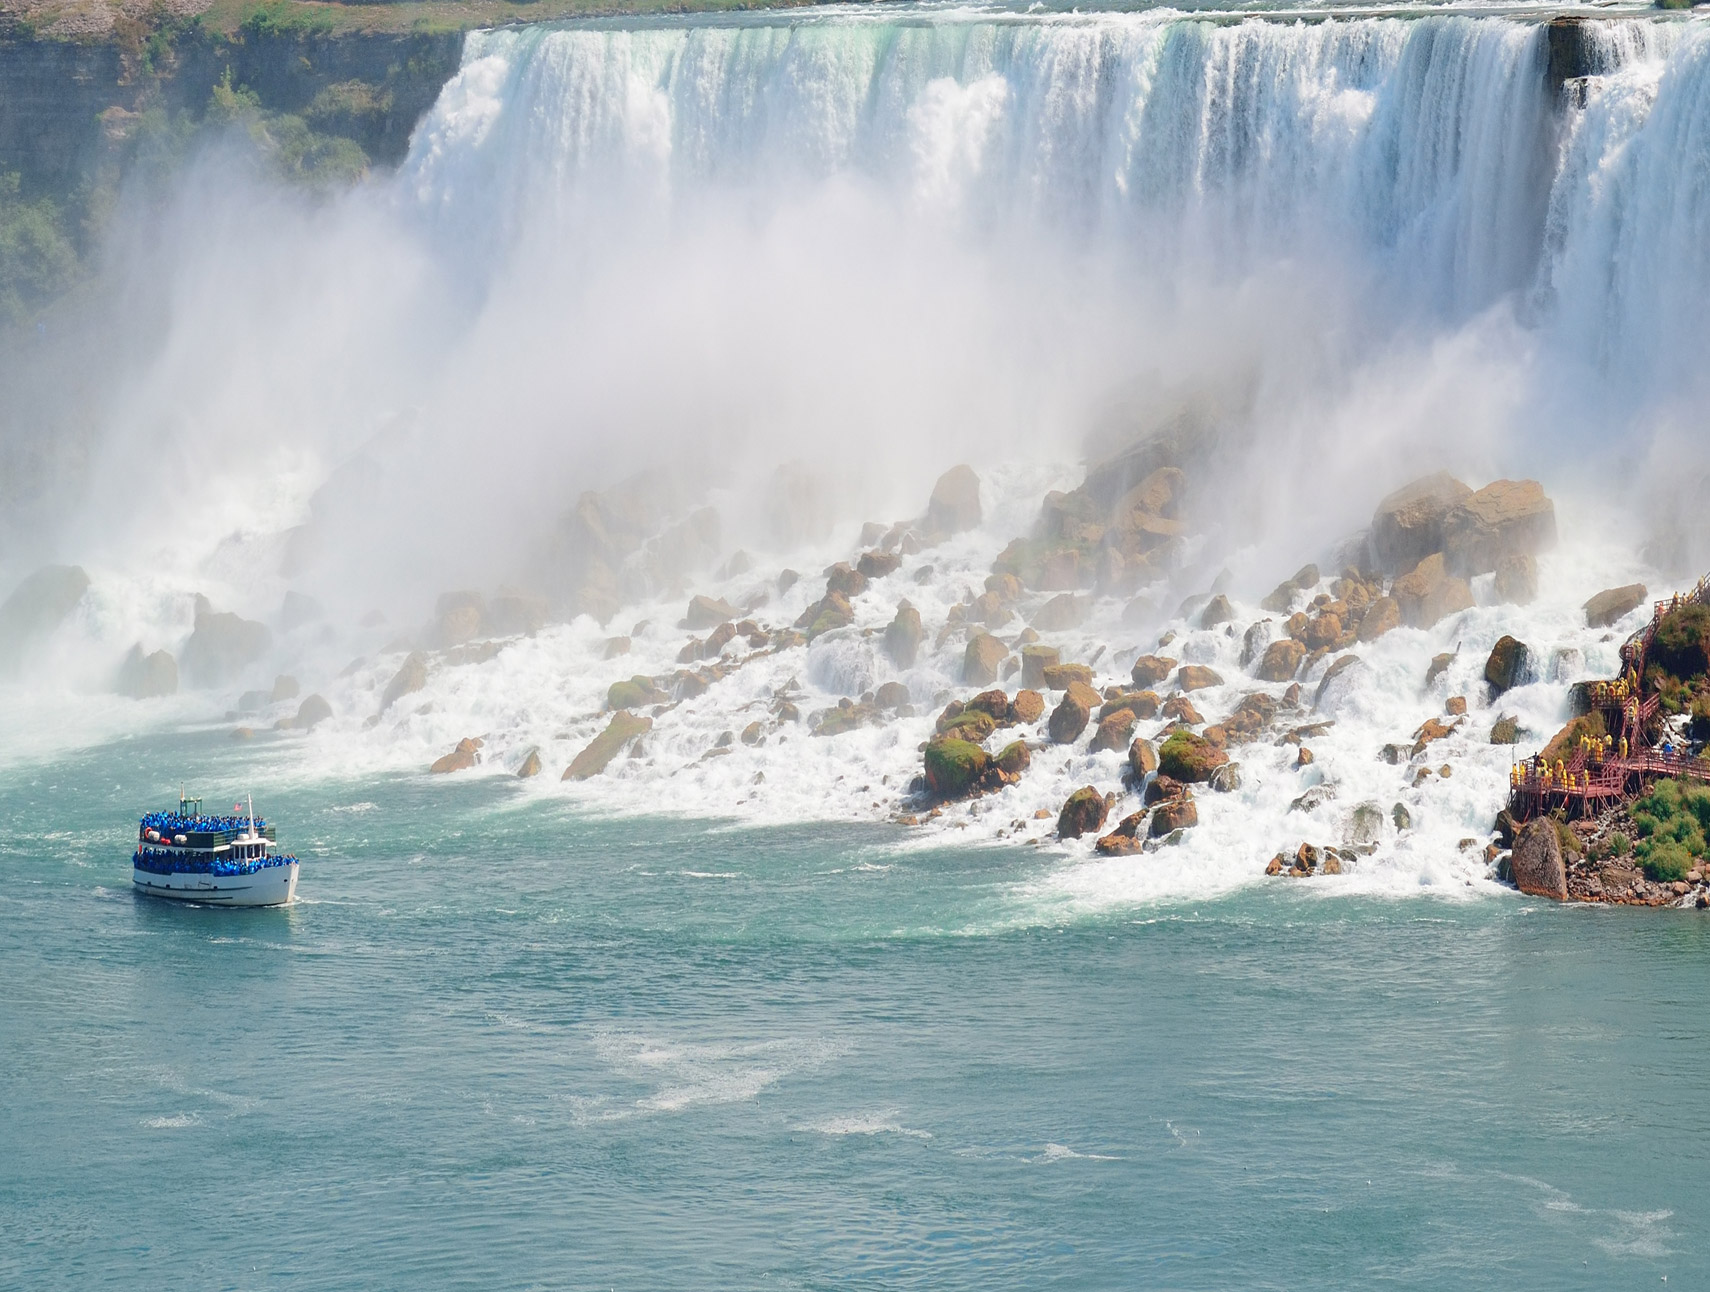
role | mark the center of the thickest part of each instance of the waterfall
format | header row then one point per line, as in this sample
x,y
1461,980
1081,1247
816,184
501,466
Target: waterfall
x,y
1427,151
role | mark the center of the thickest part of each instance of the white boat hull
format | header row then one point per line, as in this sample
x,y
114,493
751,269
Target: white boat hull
x,y
269,886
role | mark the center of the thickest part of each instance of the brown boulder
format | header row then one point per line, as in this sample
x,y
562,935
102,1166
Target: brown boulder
x,y
1027,707
1142,758
1123,840
1323,631
1142,704
1409,525
891,696
1517,579
1113,732
1508,665
623,728
1217,611
982,659
902,636
1035,659
1060,677
1083,813
465,756
1178,708
1505,518
845,579
411,677
1196,677
1536,863
708,612
990,610
1614,604
1149,670
1429,593
1174,814
877,564
530,765
1063,611
1068,720
1381,616
1282,657
955,502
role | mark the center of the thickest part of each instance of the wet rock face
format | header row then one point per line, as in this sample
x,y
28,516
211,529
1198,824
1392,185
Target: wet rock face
x,y
902,636
1142,758
1280,660
955,502
221,646
708,612
1149,670
1508,666
1429,593
1382,616
530,765
144,677
1536,864
1614,604
1035,660
1196,677
599,752
1517,579
1505,518
411,677
458,618
36,607
312,710
1069,719
1083,813
1408,526
981,661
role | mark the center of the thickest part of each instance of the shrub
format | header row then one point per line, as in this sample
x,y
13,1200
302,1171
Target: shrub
x,y
1666,862
1619,844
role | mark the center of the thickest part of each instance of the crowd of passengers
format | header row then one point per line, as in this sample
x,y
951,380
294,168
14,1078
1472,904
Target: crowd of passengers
x,y
158,861
171,823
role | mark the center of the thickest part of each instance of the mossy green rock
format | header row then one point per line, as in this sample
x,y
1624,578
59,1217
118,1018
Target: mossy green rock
x,y
634,693
1013,759
954,767
1189,758
970,724
623,728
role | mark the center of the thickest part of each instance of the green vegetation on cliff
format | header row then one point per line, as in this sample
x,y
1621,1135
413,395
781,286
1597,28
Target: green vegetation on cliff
x,y
38,251
1671,822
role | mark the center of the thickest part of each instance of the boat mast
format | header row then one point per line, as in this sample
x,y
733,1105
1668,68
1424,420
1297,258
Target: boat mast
x,y
252,816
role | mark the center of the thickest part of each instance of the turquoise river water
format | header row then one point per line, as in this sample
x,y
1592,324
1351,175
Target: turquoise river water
x,y
500,1046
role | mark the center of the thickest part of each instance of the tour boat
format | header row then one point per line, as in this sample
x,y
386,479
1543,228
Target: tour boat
x,y
219,860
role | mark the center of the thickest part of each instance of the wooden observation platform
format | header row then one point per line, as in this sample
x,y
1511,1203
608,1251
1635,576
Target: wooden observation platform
x,y
1601,774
